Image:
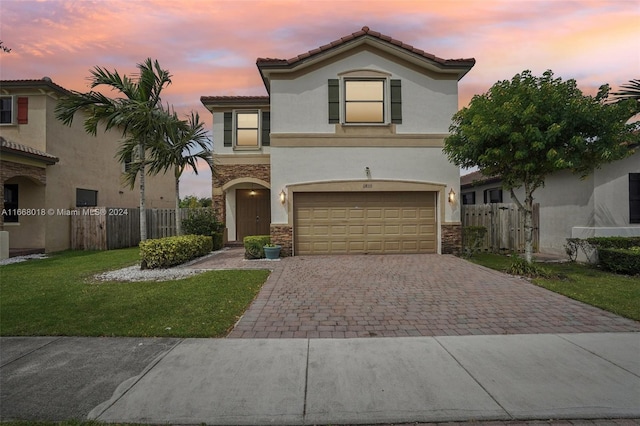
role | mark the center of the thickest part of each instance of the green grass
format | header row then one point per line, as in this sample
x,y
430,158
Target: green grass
x,y
615,293
58,297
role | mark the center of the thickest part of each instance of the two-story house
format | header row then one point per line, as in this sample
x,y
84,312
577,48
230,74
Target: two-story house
x,y
344,155
49,169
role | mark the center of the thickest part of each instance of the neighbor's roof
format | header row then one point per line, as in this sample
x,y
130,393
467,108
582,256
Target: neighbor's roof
x,y
477,178
44,82
26,151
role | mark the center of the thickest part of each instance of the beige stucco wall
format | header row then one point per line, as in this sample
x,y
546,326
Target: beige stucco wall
x,y
85,162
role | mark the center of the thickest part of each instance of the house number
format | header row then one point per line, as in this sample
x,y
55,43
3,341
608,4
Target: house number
x,y
367,185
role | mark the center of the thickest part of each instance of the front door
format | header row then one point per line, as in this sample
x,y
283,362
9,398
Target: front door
x,y
253,212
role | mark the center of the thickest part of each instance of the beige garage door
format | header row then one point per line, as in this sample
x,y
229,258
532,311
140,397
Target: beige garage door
x,y
364,222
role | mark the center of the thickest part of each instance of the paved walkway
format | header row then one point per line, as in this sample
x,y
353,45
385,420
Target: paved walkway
x,y
403,295
321,381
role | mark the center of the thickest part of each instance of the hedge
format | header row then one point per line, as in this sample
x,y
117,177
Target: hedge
x,y
171,251
621,261
254,246
614,242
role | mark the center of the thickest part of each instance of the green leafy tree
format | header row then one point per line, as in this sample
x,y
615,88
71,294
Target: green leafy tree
x,y
530,127
185,143
137,113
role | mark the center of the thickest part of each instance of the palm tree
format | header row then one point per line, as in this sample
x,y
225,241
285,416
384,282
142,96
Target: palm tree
x,y
176,152
631,90
138,114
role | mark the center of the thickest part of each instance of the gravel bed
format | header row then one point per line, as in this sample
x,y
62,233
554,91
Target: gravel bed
x,y
18,259
134,273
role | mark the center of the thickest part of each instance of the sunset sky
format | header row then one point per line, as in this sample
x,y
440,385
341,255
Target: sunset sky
x,y
210,46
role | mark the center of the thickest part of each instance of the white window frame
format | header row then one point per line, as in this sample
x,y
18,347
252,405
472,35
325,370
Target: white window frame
x,y
366,75
256,147
14,108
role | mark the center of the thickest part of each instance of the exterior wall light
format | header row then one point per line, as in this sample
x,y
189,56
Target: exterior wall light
x,y
452,196
283,197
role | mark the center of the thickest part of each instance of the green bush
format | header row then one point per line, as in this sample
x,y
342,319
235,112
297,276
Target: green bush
x,y
620,261
218,240
254,246
614,242
521,267
202,222
171,251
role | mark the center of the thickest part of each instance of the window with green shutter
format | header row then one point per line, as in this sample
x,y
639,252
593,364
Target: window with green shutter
x,y
365,101
228,129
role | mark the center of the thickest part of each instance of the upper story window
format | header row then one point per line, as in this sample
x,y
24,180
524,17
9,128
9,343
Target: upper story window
x,y
365,97
364,101
247,130
14,110
634,197
6,110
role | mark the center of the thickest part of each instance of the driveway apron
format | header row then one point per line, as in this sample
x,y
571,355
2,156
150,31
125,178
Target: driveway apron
x,y
404,295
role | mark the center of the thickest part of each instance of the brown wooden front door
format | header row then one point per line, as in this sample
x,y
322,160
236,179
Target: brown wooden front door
x,y
253,212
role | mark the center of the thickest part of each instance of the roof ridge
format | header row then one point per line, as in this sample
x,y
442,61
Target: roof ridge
x,y
364,31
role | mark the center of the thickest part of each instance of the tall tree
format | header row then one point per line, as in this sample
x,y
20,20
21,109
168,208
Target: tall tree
x,y
529,127
138,114
184,144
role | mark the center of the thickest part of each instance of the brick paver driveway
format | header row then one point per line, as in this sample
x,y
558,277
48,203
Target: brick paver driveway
x,y
407,295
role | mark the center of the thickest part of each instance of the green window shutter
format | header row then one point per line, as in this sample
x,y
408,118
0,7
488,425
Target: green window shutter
x,y
228,129
266,128
396,101
334,100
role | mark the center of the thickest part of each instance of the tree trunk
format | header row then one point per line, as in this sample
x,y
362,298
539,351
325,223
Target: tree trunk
x,y
143,212
528,220
178,221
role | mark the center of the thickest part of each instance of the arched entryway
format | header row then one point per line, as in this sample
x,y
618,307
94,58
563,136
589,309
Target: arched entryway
x,y
248,208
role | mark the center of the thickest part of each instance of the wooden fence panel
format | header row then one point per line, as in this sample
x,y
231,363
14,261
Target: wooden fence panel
x,y
504,223
115,228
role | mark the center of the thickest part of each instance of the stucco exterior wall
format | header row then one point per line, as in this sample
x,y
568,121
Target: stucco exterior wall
x,y
581,208
301,165
85,162
300,104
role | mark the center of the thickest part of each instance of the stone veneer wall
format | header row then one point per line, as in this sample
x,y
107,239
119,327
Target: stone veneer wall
x,y
283,235
10,169
225,173
451,239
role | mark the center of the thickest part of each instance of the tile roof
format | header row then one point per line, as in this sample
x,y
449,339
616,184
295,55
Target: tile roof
x,y
27,151
27,83
234,99
365,31
477,178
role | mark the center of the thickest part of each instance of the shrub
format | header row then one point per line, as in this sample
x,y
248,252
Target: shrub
x,y
218,240
254,246
171,251
202,222
620,261
614,242
472,237
521,267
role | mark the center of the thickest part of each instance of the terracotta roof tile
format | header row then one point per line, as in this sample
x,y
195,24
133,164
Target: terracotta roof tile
x,y
365,31
44,81
477,178
8,146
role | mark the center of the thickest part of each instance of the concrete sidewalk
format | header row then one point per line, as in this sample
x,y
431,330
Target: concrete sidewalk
x,y
338,381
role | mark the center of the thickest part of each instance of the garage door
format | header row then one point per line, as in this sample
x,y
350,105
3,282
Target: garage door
x,y
364,222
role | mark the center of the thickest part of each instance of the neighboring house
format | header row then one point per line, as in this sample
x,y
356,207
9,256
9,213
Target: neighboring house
x,y
606,203
345,154
49,169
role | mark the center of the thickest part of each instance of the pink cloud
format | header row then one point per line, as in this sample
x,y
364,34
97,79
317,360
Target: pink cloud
x,y
211,46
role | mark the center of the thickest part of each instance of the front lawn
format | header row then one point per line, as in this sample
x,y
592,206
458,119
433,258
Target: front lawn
x,y
57,296
619,294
